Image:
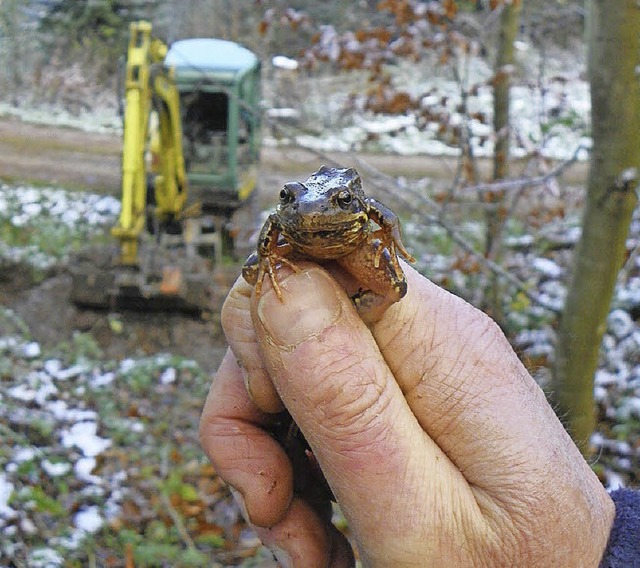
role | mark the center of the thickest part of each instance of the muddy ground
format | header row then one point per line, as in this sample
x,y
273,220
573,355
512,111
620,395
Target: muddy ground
x,y
46,155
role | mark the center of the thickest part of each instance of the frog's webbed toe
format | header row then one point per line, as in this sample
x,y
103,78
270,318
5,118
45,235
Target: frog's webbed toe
x,y
389,232
269,265
261,263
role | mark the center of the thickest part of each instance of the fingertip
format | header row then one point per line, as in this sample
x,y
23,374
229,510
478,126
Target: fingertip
x,y
239,331
301,538
311,302
237,301
249,460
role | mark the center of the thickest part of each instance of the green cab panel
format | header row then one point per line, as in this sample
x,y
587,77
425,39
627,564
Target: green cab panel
x,y
219,86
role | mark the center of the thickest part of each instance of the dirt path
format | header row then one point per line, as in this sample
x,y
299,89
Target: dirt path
x,y
43,154
58,156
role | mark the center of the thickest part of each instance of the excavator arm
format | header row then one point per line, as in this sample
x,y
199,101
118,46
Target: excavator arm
x,y
149,87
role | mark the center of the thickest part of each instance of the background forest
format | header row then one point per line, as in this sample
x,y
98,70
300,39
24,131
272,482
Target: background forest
x,y
47,44
475,120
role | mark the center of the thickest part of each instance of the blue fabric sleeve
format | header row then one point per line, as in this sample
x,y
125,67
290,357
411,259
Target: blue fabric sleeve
x,y
623,549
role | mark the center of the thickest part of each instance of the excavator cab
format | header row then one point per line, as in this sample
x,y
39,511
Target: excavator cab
x,y
219,88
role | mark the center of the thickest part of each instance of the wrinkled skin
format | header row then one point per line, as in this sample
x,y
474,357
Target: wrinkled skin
x,y
439,447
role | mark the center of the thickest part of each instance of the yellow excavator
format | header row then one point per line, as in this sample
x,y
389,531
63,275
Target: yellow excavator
x,y
191,146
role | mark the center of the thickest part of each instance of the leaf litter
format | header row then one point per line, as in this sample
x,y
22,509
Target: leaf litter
x,y
101,460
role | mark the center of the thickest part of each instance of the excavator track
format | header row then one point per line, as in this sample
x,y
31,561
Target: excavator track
x,y
164,279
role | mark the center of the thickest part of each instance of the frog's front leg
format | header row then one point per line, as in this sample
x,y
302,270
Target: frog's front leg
x,y
389,234
272,250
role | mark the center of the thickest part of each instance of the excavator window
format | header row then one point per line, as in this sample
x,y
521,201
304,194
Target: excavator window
x,y
204,113
205,117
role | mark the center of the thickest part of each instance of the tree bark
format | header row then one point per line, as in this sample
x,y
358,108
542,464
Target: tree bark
x,y
495,217
509,21
614,56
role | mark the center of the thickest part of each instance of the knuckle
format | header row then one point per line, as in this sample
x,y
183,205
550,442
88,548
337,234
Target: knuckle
x,y
350,407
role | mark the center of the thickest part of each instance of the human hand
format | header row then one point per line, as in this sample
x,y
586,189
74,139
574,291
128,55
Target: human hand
x,y
438,445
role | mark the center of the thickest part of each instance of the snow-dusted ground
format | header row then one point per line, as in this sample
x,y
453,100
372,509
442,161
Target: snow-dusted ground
x,y
556,138
98,120
44,224
550,111
61,398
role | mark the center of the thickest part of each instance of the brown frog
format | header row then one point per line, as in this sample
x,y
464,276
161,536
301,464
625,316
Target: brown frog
x,y
328,217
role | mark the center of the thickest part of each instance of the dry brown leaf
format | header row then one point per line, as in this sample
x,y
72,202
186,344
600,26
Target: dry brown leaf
x,y
450,8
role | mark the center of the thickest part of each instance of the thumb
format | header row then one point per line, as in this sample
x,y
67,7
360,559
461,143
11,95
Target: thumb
x,y
335,383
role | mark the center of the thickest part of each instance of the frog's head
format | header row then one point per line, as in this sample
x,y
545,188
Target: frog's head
x,y
330,193
326,210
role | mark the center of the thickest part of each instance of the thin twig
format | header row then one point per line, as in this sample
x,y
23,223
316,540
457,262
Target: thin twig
x,y
523,183
177,521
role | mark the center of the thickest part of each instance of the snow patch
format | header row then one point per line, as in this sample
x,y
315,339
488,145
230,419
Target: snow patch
x,y
83,435
83,469
58,469
45,558
286,63
6,490
88,520
547,267
168,376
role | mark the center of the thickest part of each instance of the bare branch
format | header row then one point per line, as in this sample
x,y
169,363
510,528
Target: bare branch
x,y
524,182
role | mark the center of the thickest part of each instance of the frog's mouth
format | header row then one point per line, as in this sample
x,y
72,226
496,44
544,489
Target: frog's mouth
x,y
329,241
324,224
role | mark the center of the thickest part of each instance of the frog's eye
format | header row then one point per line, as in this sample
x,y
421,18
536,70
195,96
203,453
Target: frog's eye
x,y
344,198
286,195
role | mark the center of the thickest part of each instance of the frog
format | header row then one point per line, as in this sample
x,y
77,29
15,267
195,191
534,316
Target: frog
x,y
326,218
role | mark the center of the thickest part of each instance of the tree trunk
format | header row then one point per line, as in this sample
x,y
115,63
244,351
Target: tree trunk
x,y
614,56
509,22
10,24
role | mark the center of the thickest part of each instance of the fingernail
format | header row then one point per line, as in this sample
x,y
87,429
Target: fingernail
x,y
282,556
239,499
310,305
245,378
